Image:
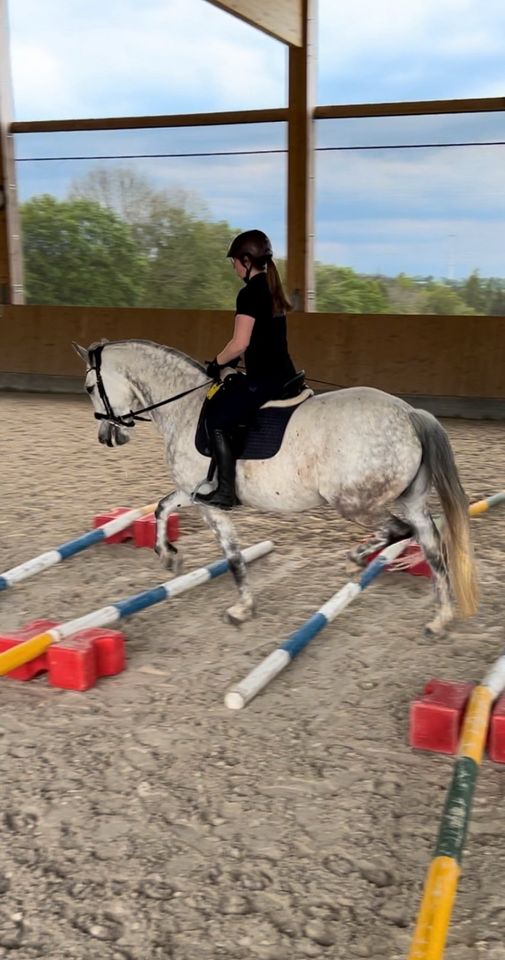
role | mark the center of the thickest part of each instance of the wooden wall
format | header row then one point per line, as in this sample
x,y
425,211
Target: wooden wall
x,y
461,357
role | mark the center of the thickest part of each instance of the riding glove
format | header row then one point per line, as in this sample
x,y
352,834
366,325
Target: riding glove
x,y
214,370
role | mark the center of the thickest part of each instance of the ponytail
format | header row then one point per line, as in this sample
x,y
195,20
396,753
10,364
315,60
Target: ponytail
x,y
280,301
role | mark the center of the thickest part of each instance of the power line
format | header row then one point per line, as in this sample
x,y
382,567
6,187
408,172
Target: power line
x,y
156,156
252,153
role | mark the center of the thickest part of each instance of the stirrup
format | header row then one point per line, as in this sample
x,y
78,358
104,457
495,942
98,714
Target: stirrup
x,y
207,498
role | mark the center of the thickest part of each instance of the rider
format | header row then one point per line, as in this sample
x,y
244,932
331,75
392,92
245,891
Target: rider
x,y
260,336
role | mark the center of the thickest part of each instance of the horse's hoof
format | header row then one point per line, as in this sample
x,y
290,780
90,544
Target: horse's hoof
x,y
361,553
173,562
356,557
239,614
435,630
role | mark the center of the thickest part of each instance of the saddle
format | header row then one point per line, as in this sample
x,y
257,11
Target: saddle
x,y
260,439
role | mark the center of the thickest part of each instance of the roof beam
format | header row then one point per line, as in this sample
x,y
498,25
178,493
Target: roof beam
x,y
282,19
300,199
11,262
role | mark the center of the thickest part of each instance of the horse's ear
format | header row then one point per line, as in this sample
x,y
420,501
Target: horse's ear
x,y
81,352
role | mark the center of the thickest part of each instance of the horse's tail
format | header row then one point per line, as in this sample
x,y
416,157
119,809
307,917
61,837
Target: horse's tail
x,y
439,460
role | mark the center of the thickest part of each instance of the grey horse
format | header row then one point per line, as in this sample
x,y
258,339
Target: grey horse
x,y
359,451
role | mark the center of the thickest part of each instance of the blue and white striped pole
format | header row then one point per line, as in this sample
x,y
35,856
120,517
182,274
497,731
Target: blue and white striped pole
x,y
24,652
243,692
49,559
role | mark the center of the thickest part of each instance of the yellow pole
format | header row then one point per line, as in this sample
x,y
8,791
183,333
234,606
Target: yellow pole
x,y
24,652
482,506
441,883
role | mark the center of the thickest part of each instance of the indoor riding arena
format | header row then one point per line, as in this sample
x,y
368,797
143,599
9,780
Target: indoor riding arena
x,y
142,819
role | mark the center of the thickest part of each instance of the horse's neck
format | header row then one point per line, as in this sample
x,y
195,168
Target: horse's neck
x,y
157,374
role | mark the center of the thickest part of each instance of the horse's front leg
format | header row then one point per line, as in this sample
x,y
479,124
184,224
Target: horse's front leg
x,y
169,555
222,527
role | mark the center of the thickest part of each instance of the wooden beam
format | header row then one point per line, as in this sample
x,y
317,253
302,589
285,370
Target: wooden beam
x,y
281,19
300,266
268,115
11,260
412,108
227,117
335,349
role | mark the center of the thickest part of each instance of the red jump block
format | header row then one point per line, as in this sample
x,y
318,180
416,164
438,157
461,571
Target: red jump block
x,y
75,663
436,717
418,569
141,531
496,742
101,518
144,530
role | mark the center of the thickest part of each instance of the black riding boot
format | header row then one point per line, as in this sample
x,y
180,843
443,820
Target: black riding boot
x,y
224,495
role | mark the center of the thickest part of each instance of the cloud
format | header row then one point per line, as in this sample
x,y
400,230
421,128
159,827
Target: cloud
x,y
456,180
419,248
245,190
422,27
362,196
84,58
420,49
399,207
413,210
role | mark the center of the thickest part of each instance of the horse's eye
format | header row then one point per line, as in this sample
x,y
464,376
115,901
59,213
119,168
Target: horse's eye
x,y
90,388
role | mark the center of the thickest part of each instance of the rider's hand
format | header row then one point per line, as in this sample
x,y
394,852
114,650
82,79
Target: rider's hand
x,y
214,370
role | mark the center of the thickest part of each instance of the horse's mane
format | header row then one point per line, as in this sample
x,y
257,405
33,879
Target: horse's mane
x,y
151,343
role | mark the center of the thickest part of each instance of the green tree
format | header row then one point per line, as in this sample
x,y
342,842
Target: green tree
x,y
189,268
185,250
134,199
405,295
119,241
495,297
77,252
341,290
496,307
474,293
444,301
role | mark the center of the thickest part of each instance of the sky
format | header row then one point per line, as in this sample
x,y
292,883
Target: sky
x,y
425,211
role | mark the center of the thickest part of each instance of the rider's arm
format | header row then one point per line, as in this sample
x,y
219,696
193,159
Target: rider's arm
x,y
239,341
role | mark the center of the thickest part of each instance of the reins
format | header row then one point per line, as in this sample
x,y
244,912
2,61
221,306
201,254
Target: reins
x,y
127,419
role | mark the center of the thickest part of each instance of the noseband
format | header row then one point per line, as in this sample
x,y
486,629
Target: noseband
x,y
126,419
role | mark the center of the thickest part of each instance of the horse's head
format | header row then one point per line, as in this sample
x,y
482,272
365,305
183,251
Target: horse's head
x,y
110,393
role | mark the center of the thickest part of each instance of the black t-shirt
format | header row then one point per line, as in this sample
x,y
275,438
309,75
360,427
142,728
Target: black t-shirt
x,y
267,357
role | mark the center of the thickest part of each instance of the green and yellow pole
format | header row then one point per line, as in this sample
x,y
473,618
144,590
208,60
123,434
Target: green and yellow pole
x,y
479,507
482,506
441,883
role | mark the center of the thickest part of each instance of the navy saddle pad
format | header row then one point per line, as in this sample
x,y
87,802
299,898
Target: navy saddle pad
x,y
259,441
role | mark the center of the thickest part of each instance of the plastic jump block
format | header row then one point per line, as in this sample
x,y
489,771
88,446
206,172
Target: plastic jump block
x,y
75,663
496,741
420,569
122,535
437,716
142,531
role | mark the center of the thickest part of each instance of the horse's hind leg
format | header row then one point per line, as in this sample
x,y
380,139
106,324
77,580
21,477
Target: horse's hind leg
x,y
392,530
413,510
428,538
224,530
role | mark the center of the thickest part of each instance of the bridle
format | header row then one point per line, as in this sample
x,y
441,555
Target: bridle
x,y
126,419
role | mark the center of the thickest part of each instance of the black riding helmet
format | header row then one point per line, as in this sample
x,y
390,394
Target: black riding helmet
x,y
253,244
